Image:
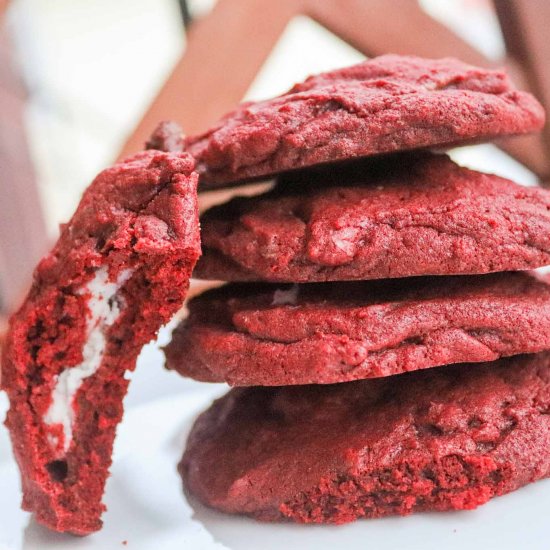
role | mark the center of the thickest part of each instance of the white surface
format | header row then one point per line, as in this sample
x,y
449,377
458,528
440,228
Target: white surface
x,y
148,510
104,309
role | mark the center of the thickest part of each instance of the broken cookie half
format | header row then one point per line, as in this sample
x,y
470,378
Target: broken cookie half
x,y
118,272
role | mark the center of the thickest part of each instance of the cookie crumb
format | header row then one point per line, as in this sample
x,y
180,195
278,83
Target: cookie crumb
x,y
167,136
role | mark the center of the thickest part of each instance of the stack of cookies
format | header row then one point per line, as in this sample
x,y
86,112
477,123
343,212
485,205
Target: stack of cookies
x,y
379,312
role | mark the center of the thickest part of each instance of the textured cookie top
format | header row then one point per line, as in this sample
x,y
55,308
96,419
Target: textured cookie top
x,y
336,332
423,215
437,439
386,104
144,203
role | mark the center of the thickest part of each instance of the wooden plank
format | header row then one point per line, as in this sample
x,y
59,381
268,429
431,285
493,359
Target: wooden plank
x,y
23,237
10,81
225,50
525,26
400,26
3,7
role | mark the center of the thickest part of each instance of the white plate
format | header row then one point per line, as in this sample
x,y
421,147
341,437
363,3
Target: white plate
x,y
148,510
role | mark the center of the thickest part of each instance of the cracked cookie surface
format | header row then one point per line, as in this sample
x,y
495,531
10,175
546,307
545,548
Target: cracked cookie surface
x,y
423,215
386,104
273,335
442,439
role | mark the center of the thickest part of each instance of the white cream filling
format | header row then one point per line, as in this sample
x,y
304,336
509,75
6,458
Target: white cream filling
x,y
103,311
286,297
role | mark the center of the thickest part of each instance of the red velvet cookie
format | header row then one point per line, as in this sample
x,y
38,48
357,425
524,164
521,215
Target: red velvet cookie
x,y
268,335
386,104
443,439
119,271
167,136
420,215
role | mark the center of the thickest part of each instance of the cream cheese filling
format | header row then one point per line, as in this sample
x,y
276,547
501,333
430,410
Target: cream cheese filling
x,y
286,297
103,310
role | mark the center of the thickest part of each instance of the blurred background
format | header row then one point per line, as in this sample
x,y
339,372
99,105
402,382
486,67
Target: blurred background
x,y
84,82
78,76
